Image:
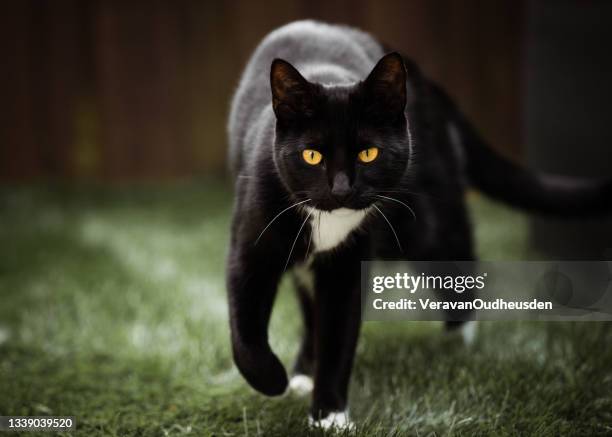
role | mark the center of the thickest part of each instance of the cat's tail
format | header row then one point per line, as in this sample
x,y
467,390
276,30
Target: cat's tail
x,y
524,188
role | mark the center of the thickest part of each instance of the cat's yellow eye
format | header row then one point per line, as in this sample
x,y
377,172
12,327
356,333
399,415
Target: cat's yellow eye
x,y
368,155
312,157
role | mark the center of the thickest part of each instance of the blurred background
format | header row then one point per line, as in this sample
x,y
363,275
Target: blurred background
x,y
115,207
112,91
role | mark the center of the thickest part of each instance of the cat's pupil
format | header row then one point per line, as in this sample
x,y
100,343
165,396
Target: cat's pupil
x,y
311,155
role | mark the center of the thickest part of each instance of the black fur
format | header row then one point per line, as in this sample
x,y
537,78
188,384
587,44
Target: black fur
x,y
332,91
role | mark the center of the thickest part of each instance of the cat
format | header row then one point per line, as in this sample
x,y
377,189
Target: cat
x,y
342,152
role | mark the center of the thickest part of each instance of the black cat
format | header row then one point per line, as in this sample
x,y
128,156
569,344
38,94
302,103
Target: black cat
x,y
342,153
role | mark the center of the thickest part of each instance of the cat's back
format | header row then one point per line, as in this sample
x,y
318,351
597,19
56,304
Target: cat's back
x,y
330,54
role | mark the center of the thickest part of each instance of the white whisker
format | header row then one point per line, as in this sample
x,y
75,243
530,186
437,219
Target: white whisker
x,y
308,247
277,216
400,202
296,239
319,225
390,226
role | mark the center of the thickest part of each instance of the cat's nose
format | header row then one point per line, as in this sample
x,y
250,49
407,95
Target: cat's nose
x,y
341,187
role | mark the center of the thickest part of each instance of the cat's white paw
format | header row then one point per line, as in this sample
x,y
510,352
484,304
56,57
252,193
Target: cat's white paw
x,y
336,419
301,385
468,332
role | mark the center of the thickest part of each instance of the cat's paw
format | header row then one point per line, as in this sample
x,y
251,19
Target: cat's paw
x,y
468,332
301,385
336,419
261,368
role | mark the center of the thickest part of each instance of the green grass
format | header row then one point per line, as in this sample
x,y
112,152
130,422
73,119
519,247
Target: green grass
x,y
112,309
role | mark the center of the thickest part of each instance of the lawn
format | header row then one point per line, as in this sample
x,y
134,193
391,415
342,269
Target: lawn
x,y
112,309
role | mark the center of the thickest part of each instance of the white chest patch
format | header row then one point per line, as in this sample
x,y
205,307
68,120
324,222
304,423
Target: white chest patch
x,y
330,228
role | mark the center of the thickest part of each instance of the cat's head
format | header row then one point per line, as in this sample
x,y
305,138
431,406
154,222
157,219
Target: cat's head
x,y
339,146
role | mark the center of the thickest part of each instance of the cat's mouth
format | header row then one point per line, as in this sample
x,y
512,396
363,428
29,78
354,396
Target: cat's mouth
x,y
335,205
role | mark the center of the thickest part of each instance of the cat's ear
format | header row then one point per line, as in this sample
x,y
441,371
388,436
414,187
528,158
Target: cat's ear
x,y
385,86
292,95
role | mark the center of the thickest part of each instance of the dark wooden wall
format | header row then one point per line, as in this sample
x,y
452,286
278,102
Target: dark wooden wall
x,y
136,90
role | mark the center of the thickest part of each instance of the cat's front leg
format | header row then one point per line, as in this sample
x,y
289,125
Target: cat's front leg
x,y
301,382
252,283
338,320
